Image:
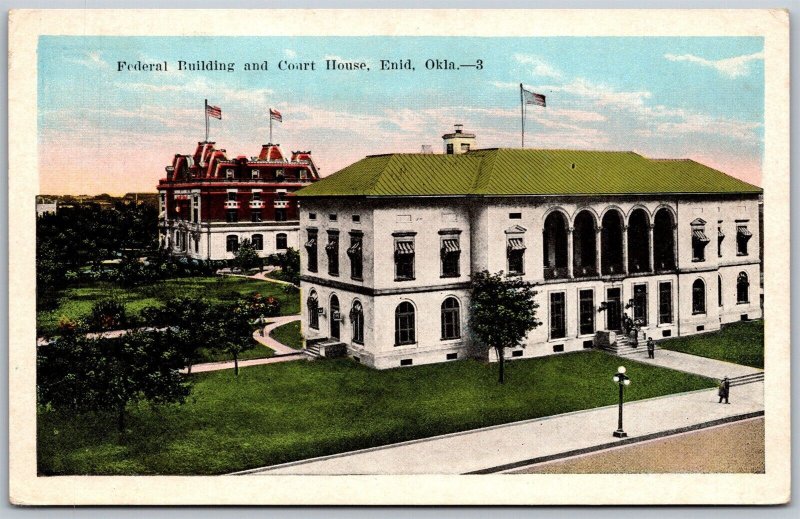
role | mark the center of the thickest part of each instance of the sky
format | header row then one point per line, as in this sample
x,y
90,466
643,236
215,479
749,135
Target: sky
x,y
102,130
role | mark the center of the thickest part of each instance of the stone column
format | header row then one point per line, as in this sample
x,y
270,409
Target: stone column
x,y
651,248
569,252
598,233
625,249
675,245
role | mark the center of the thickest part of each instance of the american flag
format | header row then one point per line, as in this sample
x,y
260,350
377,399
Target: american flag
x,y
214,111
274,114
531,98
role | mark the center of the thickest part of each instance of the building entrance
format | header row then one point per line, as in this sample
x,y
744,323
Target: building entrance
x,y
613,309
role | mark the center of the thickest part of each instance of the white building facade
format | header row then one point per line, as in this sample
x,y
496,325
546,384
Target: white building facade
x,y
386,269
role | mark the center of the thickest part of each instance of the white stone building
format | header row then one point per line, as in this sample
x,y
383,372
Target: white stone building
x,y
390,243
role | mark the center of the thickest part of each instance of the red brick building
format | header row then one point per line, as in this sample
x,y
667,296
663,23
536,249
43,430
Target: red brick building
x,y
209,203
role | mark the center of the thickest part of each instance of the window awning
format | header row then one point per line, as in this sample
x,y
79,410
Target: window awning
x,y
450,246
516,244
332,246
699,235
354,249
312,243
404,247
742,230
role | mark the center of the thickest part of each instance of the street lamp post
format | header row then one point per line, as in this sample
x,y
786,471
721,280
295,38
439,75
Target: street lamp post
x,y
623,380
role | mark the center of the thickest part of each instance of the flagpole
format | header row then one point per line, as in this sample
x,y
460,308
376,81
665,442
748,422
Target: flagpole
x,y
205,110
270,125
522,113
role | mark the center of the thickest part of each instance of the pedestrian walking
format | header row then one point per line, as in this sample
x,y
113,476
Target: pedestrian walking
x,y
651,348
724,390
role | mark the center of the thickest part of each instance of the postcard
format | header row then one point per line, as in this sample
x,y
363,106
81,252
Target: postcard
x,y
399,257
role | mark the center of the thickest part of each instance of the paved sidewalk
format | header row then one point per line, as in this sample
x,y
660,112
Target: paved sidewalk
x,y
262,336
282,353
507,446
676,360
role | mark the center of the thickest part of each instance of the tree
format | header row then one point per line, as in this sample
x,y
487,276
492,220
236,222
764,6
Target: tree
x,y
190,324
234,327
108,314
502,312
289,262
246,256
82,374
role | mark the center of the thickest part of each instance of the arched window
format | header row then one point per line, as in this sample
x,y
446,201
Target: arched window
x,y
742,288
232,243
258,241
698,297
313,310
451,319
404,332
280,241
357,320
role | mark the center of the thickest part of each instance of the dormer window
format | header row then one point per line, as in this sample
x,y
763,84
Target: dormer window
x,y
229,173
256,195
255,173
231,196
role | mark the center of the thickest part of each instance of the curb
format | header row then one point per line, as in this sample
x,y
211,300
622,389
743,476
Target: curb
x,y
619,443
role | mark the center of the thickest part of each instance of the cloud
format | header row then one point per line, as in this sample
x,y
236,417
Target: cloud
x,y
92,60
540,67
198,86
731,67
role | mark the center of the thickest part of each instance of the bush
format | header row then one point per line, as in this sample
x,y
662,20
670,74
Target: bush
x,y
108,314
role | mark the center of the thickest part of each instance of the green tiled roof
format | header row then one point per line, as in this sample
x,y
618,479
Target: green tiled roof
x,y
524,172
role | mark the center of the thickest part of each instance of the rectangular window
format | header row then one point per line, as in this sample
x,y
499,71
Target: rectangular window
x,y
256,195
451,256
449,148
515,254
664,303
312,216
515,216
311,249
232,216
558,317
258,241
197,244
586,312
333,217
356,218
742,237
232,243
355,253
228,173
255,215
255,173
464,147
280,215
231,196
640,303
720,237
403,260
332,249
699,242
195,208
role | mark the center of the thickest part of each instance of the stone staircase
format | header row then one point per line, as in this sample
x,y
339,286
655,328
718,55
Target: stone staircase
x,y
325,348
747,379
624,346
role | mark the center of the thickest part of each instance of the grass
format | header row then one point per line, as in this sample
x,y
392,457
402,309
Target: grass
x,y
259,351
77,301
740,343
295,410
288,334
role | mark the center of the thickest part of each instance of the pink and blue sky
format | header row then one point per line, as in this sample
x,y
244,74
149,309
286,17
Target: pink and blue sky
x,y
101,130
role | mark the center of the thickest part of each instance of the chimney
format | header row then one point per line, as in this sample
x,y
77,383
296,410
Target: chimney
x,y
458,142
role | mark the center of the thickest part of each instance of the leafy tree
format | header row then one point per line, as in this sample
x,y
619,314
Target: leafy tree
x,y
80,374
234,328
290,265
190,324
257,307
502,312
246,256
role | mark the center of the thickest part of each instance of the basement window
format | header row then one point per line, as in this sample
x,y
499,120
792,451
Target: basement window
x,y
516,353
558,348
515,216
452,356
406,362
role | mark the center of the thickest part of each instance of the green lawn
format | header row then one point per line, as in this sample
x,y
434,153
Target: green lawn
x,y
259,351
288,334
77,301
740,343
295,410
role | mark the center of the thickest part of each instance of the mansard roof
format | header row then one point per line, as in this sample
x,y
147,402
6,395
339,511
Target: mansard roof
x,y
503,172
